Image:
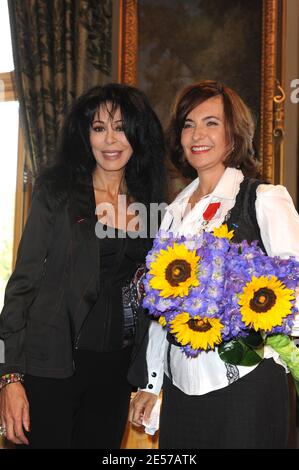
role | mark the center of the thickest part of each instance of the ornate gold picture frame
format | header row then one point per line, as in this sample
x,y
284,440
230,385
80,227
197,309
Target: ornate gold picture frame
x,y
271,129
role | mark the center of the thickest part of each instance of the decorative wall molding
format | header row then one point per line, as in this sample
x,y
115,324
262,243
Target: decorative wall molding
x,y
272,104
279,132
129,42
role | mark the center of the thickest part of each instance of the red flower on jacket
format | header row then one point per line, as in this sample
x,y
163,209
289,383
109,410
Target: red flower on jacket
x,y
211,210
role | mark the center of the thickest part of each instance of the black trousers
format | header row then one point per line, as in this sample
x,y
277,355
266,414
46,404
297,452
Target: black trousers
x,y
252,413
86,411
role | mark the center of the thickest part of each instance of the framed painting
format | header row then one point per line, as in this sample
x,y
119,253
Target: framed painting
x,y
167,44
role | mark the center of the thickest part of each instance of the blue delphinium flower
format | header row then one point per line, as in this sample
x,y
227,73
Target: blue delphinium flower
x,y
223,271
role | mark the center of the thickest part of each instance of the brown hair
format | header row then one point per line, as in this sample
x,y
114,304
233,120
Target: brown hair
x,y
239,125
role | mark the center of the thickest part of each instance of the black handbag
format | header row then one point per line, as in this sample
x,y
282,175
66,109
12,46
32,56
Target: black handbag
x,y
132,294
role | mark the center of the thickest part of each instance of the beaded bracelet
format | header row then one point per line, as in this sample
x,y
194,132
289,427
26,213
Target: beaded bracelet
x,y
10,379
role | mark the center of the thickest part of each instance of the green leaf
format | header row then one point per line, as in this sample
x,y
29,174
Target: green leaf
x,y
231,352
252,357
237,352
254,339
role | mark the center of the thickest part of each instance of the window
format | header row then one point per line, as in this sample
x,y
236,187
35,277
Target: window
x,y
11,154
6,59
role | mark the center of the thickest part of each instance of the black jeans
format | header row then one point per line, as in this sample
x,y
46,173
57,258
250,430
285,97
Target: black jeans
x,y
86,411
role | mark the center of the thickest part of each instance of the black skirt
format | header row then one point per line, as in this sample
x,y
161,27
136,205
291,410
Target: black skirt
x,y
252,413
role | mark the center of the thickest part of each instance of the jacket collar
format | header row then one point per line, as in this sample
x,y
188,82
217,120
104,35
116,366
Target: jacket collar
x,y
227,188
82,202
228,185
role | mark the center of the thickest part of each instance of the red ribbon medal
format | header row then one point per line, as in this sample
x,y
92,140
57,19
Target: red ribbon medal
x,y
211,210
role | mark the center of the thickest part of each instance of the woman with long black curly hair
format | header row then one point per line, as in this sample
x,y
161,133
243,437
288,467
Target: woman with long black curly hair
x,y
67,325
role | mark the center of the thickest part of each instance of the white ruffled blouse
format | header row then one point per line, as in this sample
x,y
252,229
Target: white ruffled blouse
x,y
279,226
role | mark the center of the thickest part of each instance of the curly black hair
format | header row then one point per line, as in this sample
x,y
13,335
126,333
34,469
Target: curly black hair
x,y
145,173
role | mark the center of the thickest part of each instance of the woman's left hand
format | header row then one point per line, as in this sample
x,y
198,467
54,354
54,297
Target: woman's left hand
x,y
141,407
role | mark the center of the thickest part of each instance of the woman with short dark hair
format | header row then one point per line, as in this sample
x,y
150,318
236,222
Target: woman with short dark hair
x,y
239,127
67,323
208,403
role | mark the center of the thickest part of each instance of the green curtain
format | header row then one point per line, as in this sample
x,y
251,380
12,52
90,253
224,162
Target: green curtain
x,y
61,48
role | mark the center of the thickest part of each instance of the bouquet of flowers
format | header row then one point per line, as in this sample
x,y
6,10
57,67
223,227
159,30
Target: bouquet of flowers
x,y
208,292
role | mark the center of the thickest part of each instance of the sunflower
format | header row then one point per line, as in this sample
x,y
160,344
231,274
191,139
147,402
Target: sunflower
x,y
199,332
162,320
265,302
222,232
174,271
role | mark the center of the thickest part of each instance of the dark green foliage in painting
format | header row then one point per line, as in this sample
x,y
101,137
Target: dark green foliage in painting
x,y
181,42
